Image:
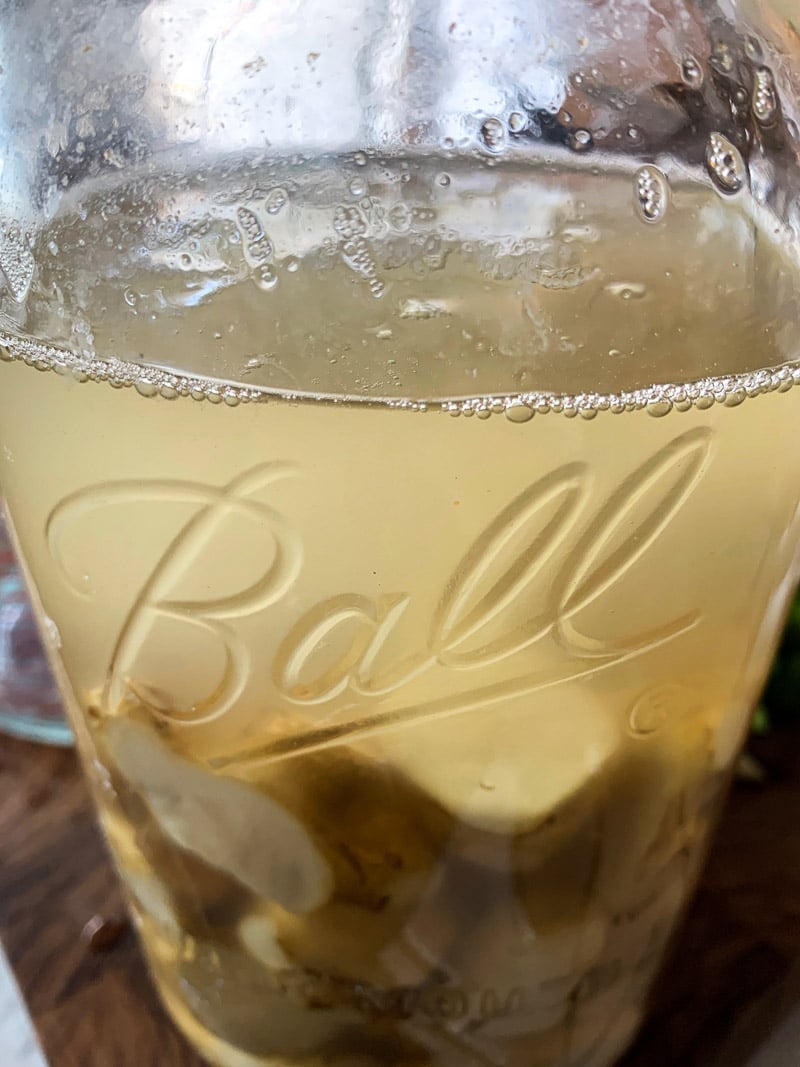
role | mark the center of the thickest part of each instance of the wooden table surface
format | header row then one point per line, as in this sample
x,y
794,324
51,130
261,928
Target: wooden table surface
x,y
733,977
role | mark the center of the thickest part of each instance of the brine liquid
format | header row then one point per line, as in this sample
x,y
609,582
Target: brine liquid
x,y
408,729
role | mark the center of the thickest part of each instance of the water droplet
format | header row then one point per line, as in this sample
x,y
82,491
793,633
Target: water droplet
x,y
360,159
444,180
581,140
517,121
692,72
725,164
627,290
765,97
276,200
519,412
659,408
652,194
493,135
358,187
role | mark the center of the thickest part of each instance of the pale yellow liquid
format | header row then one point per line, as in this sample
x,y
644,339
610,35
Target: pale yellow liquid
x,y
408,730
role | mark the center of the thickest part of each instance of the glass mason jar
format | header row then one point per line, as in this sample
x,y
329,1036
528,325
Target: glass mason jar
x,y
410,493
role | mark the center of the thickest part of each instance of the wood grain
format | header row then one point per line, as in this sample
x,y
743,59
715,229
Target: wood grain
x,y
734,974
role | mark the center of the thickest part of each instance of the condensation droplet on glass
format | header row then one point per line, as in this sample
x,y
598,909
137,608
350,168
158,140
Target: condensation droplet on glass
x,y
581,140
517,121
651,193
765,97
493,135
692,72
725,164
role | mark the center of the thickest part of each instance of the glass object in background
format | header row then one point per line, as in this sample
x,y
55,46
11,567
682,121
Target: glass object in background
x,y
413,481
30,704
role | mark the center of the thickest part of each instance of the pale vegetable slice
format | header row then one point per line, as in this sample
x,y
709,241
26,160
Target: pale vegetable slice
x,y
507,769
226,823
258,935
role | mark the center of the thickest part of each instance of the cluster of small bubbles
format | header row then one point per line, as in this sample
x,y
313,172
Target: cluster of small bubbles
x,y
692,72
765,97
581,140
493,135
725,164
275,200
652,194
257,245
517,121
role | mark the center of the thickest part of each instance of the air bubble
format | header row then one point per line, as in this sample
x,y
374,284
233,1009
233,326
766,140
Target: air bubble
x,y
293,264
266,279
517,121
627,290
443,180
725,164
358,187
659,408
493,135
130,297
360,159
145,388
692,72
276,200
186,260
734,398
721,58
519,413
581,140
652,194
765,97
752,47
168,391
634,134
